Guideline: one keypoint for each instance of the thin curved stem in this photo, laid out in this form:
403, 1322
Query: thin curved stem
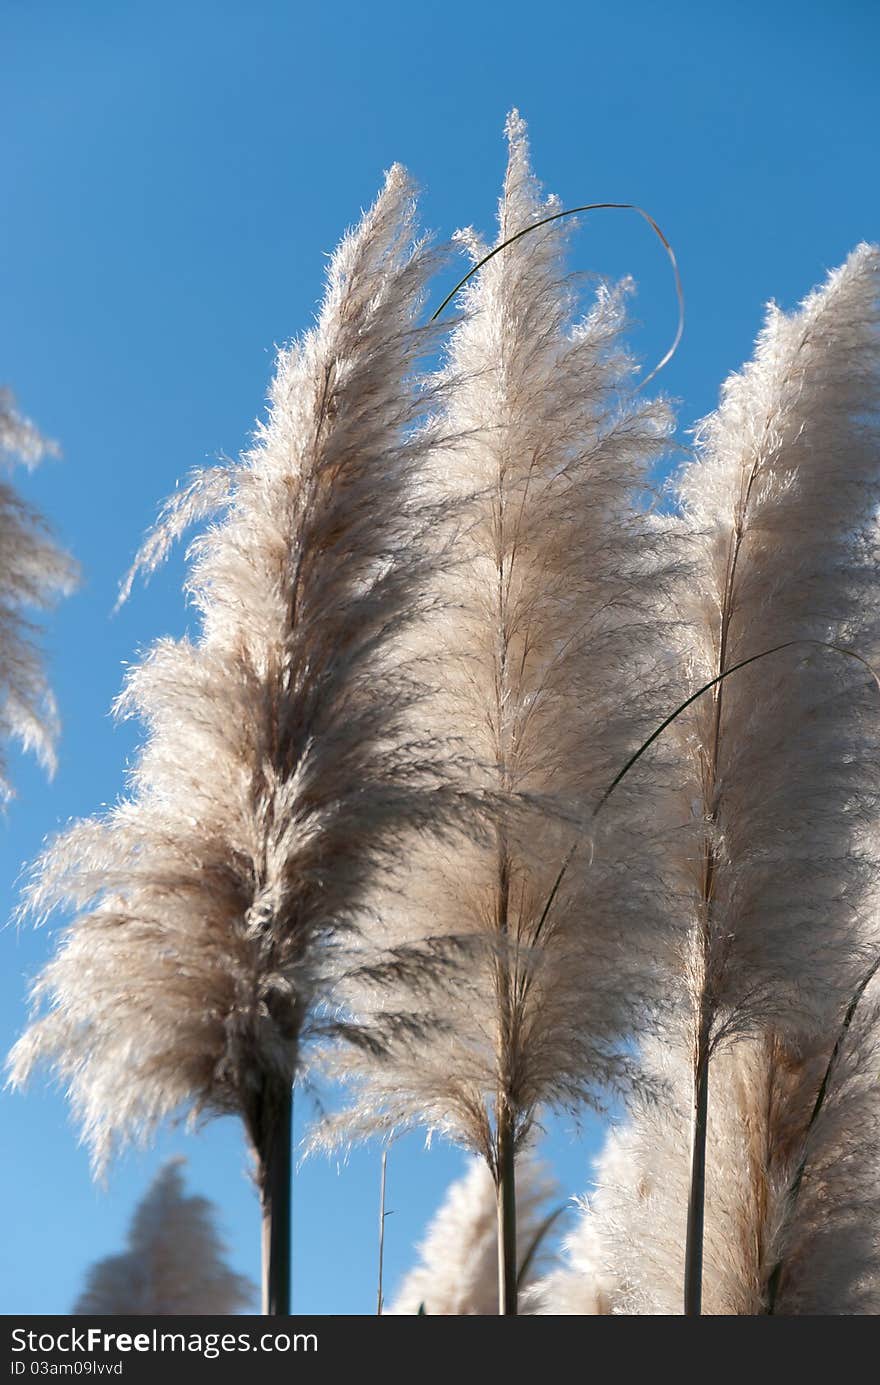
382, 1215
658, 731
573, 211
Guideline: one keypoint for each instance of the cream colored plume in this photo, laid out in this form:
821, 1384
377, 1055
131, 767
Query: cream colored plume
33, 573
826, 1238
174, 1264
777, 873
778, 764
280, 773
552, 673
457, 1274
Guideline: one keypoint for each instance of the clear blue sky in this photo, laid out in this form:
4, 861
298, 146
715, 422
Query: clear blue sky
172, 176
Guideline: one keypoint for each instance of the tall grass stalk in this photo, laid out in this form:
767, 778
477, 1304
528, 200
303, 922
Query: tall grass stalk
551, 653
217, 908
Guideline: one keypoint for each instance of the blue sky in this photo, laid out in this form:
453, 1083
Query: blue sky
173, 176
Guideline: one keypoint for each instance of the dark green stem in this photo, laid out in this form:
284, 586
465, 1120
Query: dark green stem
693, 1256
271, 1135
506, 1174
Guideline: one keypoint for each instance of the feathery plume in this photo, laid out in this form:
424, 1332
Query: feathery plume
575, 1291
280, 775
631, 1233
778, 766
763, 1139
175, 1262
819, 1222
585, 1285
543, 633
33, 572
458, 1270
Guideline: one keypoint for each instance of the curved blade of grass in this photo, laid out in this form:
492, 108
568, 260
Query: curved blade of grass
773, 1283
658, 731
536, 1242
789, 644
573, 211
